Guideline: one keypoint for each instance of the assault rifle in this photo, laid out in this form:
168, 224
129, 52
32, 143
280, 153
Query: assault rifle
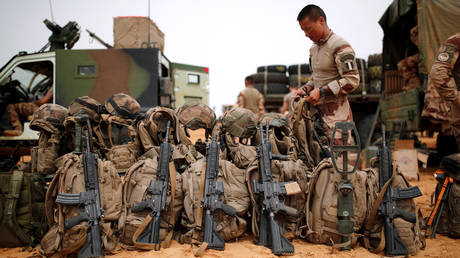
270, 233
210, 201
446, 183
90, 199
158, 189
388, 208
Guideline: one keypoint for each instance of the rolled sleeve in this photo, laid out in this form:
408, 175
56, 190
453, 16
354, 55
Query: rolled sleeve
348, 71
442, 69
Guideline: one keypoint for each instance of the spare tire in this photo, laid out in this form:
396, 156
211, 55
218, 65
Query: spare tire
374, 59
270, 77
294, 69
294, 79
272, 69
375, 72
272, 88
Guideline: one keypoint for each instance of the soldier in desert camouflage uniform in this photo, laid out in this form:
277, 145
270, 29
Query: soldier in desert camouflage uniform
24, 109
334, 69
250, 98
445, 76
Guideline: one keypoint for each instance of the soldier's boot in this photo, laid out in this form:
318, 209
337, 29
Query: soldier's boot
14, 120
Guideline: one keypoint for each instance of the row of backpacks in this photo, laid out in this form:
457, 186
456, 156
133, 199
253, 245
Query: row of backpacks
129, 151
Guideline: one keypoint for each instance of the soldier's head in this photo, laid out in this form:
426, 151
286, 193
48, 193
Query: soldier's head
312, 21
248, 81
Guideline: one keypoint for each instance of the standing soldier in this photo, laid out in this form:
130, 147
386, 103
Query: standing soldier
250, 98
334, 69
445, 76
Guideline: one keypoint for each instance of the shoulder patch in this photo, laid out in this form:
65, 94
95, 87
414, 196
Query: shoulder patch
446, 53
348, 62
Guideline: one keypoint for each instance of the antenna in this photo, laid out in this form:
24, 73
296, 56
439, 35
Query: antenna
51, 11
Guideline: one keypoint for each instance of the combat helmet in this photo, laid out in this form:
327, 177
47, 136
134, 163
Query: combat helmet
194, 115
87, 106
276, 120
49, 117
239, 122
122, 105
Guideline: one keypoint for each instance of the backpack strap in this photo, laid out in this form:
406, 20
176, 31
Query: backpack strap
9, 212
372, 217
167, 241
199, 216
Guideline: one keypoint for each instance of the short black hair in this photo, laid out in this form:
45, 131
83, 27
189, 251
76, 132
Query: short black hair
313, 12
249, 79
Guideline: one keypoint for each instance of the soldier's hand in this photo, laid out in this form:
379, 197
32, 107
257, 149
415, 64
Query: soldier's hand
313, 97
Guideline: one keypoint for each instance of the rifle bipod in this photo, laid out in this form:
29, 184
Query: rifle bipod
345, 209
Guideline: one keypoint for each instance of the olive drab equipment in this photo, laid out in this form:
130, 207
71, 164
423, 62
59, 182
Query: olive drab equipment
345, 207
22, 199
48, 119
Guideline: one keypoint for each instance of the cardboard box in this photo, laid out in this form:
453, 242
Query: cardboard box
407, 161
133, 32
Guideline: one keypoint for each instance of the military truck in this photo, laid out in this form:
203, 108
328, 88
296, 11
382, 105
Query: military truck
144, 73
191, 83
435, 21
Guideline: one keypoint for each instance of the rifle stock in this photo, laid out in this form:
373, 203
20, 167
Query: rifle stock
270, 233
158, 189
388, 208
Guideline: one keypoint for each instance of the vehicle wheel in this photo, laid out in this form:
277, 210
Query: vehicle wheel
272, 69
271, 78
273, 88
294, 69
294, 79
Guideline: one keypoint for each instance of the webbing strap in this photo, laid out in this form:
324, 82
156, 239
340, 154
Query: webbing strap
121, 111
199, 215
9, 214
95, 108
373, 214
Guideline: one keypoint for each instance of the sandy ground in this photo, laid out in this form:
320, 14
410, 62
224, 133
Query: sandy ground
440, 247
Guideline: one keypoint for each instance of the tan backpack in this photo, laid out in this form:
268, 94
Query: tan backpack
409, 233
118, 139
43, 156
70, 179
235, 195
308, 149
322, 202
132, 224
283, 171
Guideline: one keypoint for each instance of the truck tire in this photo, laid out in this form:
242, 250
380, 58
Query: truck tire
294, 69
272, 88
272, 69
270, 77
374, 60
294, 79
375, 72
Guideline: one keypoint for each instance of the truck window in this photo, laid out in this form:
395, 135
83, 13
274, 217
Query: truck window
193, 78
36, 78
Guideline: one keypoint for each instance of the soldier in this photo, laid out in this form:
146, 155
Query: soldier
250, 98
287, 99
445, 76
335, 73
24, 109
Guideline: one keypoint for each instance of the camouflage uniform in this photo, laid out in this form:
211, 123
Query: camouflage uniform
445, 76
333, 63
16, 111
250, 98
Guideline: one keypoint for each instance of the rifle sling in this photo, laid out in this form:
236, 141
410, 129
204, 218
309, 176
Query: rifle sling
199, 215
373, 215
167, 241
